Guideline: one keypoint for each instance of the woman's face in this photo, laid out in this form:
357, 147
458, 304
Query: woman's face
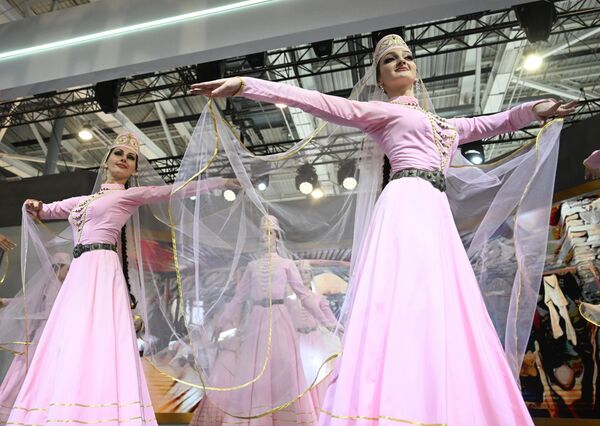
269, 236
397, 70
121, 164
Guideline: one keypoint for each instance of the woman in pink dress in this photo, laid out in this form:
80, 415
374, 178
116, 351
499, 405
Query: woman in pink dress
419, 346
283, 376
86, 368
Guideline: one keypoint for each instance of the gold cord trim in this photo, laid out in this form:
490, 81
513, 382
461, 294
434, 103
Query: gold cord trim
62, 404
85, 422
374, 419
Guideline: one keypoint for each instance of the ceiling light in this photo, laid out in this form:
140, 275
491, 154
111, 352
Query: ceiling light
347, 175
317, 193
229, 195
306, 188
532, 62
85, 134
349, 183
306, 178
474, 153
261, 186
281, 106
129, 29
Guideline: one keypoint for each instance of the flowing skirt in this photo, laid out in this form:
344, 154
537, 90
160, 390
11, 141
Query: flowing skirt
86, 368
279, 396
419, 347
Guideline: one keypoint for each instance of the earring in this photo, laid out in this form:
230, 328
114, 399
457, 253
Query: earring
417, 87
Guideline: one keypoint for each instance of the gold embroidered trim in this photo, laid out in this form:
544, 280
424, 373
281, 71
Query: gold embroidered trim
374, 419
75, 404
85, 422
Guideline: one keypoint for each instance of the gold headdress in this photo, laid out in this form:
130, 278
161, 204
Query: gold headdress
388, 42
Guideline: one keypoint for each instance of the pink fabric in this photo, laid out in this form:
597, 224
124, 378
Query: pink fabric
311, 343
86, 368
283, 380
404, 134
419, 346
285, 273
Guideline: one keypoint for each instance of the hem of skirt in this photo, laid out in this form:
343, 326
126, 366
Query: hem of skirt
377, 418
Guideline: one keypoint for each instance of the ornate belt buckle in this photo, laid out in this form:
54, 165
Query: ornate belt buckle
77, 251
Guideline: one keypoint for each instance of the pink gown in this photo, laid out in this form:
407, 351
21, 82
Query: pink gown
419, 347
311, 339
87, 369
283, 380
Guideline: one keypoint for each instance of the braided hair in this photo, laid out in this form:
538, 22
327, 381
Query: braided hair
125, 264
125, 261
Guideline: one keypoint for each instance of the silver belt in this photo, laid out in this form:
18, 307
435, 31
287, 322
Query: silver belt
434, 177
79, 249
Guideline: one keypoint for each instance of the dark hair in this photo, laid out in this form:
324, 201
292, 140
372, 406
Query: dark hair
125, 264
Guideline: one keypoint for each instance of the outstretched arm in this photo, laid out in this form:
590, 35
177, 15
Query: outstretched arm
155, 194
57, 210
474, 128
366, 116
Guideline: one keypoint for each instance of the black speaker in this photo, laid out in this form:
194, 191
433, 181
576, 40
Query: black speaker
257, 60
536, 19
209, 71
107, 93
323, 48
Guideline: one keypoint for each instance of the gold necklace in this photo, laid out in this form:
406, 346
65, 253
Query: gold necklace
443, 143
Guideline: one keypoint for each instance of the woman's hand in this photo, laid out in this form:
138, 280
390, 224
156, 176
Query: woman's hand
222, 88
6, 244
33, 207
553, 108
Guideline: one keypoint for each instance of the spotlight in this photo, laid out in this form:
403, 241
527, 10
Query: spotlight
260, 175
323, 48
474, 153
347, 176
85, 134
317, 193
257, 60
262, 183
536, 19
281, 106
532, 61
306, 188
349, 183
306, 178
107, 93
193, 198
229, 195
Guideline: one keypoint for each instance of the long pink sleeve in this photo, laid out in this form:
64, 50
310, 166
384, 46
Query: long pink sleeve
485, 126
366, 116
326, 309
307, 297
231, 313
59, 210
155, 194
